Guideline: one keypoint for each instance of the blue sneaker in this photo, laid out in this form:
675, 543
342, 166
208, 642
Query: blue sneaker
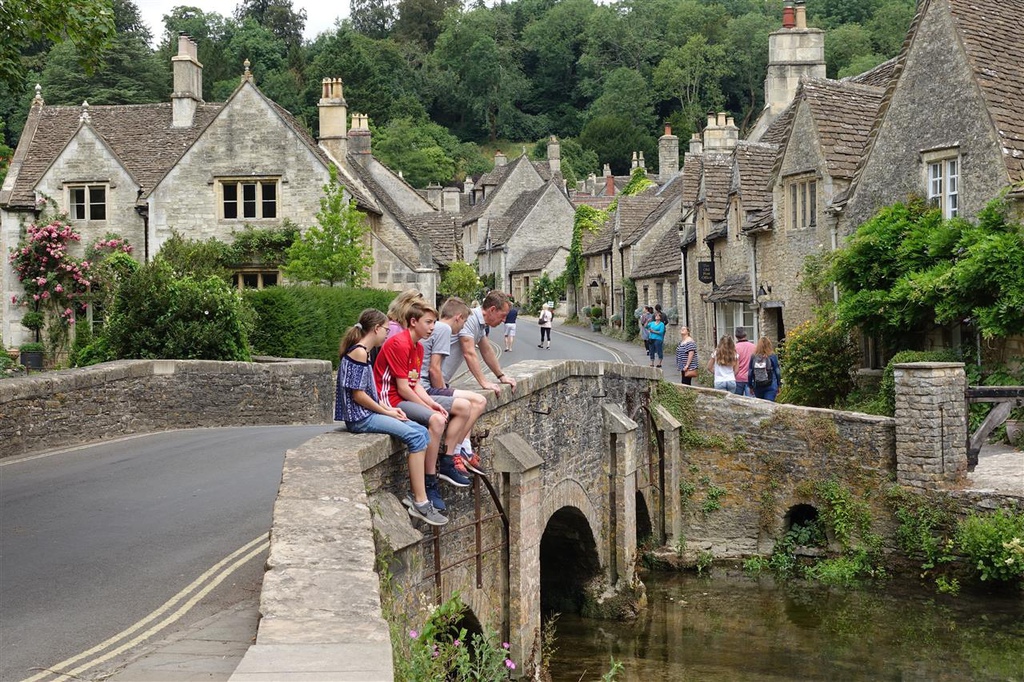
433, 494
446, 471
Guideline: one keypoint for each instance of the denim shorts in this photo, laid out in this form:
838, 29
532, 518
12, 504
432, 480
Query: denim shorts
729, 386
409, 432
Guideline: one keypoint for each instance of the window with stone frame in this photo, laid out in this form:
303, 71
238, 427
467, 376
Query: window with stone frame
256, 279
942, 179
735, 314
87, 202
249, 199
802, 202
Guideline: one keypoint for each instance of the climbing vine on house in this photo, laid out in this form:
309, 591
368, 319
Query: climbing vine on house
587, 219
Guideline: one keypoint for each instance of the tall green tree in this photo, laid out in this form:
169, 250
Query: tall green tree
372, 18
5, 156
335, 250
692, 75
208, 31
87, 24
614, 140
462, 280
423, 151
626, 94
278, 16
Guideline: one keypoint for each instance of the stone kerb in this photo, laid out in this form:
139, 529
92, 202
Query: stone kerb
75, 406
931, 425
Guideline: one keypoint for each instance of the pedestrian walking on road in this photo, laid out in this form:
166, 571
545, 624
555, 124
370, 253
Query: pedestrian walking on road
765, 375
656, 328
510, 327
744, 349
544, 320
686, 357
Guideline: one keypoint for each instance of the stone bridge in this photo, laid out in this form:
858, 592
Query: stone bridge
588, 462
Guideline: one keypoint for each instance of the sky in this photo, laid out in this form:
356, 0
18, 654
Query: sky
320, 14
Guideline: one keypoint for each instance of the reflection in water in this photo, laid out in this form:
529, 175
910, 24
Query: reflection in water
731, 627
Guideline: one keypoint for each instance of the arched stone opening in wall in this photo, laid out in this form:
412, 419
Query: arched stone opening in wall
568, 561
644, 528
803, 527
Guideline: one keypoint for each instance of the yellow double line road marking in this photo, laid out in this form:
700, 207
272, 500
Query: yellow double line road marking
201, 587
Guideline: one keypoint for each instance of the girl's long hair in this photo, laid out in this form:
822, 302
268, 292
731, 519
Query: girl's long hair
368, 320
399, 308
725, 354
764, 346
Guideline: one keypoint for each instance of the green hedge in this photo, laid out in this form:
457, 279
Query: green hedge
308, 321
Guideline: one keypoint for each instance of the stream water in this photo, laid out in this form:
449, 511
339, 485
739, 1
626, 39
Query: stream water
731, 627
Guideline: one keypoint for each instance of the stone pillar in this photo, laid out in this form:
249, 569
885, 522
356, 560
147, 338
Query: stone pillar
931, 425
620, 508
514, 457
669, 428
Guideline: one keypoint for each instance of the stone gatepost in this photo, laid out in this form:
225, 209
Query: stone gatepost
669, 428
620, 506
931, 425
520, 467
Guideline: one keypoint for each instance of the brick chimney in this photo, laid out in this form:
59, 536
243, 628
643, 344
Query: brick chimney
333, 118
721, 133
609, 181
188, 83
795, 53
668, 155
554, 155
359, 138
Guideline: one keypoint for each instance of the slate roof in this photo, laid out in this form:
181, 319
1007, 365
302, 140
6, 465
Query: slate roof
441, 227
993, 37
538, 259
693, 167
733, 288
754, 162
663, 258
495, 179
717, 176
878, 77
637, 215
844, 113
600, 241
501, 229
778, 131
139, 134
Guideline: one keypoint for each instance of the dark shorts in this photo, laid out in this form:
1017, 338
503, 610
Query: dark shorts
444, 392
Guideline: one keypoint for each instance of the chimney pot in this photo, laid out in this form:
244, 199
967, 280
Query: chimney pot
668, 130
721, 119
788, 15
711, 120
730, 121
801, 14
609, 185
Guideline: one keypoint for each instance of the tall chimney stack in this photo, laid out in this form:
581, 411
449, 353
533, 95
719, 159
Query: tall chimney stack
188, 83
333, 118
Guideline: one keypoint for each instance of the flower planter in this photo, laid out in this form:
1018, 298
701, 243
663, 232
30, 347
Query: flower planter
32, 359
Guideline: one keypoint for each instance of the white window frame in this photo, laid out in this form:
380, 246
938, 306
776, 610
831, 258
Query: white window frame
732, 314
801, 193
240, 204
82, 211
942, 171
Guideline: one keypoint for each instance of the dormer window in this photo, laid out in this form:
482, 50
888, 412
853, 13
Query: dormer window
88, 202
249, 199
942, 175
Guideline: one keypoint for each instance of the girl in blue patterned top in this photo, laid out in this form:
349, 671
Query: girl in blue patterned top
357, 404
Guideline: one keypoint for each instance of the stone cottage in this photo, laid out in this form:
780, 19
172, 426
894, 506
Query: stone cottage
205, 171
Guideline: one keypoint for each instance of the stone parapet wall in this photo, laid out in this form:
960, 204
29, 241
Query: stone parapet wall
931, 425
70, 407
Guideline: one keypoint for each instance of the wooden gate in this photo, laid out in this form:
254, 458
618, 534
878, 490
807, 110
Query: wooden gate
1005, 399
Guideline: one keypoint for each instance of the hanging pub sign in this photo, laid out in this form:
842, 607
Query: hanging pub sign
706, 271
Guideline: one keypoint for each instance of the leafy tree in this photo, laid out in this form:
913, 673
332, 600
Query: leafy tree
277, 16
335, 250
888, 26
614, 140
419, 150
746, 44
817, 363
5, 156
845, 44
86, 24
692, 74
195, 258
420, 21
208, 30
460, 279
267, 55
372, 18
543, 290
626, 94
832, 13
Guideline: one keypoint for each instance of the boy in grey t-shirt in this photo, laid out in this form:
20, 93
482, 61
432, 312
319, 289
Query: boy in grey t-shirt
467, 406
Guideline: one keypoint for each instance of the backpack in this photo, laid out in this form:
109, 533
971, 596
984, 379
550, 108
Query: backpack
762, 376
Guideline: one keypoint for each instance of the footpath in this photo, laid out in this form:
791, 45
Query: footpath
212, 649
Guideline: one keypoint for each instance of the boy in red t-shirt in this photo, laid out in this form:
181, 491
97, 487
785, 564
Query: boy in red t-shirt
397, 375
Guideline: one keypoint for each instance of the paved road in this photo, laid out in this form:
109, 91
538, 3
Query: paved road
94, 539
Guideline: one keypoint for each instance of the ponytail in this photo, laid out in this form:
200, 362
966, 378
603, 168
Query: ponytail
368, 319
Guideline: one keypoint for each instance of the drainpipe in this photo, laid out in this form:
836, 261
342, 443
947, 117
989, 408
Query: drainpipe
686, 290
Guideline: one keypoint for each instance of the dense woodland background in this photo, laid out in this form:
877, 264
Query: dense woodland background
445, 84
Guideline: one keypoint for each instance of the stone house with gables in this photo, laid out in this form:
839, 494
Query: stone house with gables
533, 265
206, 170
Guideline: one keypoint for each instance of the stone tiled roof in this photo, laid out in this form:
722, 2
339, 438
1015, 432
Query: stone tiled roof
754, 162
537, 259
693, 166
992, 32
494, 179
719, 230
662, 259
778, 131
634, 212
502, 229
689, 235
717, 177
878, 77
139, 134
844, 113
733, 288
440, 227
759, 220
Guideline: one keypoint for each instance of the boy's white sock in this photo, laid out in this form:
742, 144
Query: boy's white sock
466, 446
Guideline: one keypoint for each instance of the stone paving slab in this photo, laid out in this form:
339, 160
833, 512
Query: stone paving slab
1000, 469
302, 662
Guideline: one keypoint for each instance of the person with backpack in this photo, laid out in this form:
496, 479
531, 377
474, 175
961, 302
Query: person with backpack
544, 321
765, 376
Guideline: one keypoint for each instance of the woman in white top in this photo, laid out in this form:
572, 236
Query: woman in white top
724, 363
544, 320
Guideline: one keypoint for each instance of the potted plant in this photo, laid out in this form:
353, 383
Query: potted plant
32, 355
596, 318
1015, 426
34, 321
